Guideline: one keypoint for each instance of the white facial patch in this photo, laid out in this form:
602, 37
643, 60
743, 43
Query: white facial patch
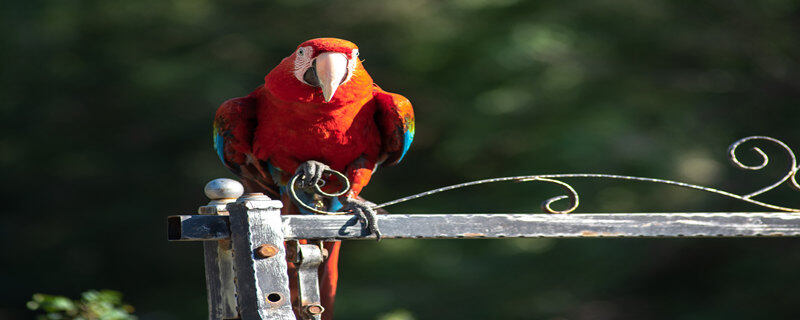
302, 62
351, 65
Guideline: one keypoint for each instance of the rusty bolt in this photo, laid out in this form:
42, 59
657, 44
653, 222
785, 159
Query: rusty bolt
314, 309
266, 251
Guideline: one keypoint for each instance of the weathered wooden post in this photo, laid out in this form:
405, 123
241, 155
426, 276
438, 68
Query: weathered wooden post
262, 281
218, 254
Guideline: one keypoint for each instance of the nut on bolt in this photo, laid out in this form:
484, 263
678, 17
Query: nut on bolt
266, 251
314, 309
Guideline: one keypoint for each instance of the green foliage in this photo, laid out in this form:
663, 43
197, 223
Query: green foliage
93, 305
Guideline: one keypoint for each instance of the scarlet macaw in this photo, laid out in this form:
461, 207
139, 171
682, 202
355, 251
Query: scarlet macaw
317, 109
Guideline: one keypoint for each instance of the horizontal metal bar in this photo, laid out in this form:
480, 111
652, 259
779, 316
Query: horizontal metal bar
198, 228
441, 226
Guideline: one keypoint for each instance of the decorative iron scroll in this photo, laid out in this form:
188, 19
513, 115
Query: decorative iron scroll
574, 199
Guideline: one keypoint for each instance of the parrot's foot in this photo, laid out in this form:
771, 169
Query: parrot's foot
366, 213
311, 173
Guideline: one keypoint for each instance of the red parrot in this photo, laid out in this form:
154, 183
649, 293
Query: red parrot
317, 110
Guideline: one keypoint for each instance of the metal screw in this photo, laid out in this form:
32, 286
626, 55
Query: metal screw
314, 309
266, 251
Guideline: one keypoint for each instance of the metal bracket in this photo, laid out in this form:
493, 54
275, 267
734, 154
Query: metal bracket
307, 258
262, 282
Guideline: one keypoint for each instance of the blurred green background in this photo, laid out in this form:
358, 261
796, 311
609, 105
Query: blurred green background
106, 109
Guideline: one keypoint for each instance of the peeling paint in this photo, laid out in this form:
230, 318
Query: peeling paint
587, 233
196, 228
468, 234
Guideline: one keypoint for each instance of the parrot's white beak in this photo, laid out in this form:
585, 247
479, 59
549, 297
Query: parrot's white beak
331, 71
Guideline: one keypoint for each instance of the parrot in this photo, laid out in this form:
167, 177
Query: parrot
317, 110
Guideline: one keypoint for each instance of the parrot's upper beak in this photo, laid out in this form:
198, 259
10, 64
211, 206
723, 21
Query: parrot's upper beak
331, 68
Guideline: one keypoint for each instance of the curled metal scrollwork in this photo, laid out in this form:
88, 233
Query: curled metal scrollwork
573, 197
791, 175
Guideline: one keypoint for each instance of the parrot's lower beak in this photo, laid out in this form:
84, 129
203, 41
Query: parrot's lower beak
331, 68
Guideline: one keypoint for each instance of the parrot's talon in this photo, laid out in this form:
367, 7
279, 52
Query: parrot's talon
366, 214
311, 173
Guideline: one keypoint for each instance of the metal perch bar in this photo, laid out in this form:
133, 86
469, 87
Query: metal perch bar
460, 226
246, 261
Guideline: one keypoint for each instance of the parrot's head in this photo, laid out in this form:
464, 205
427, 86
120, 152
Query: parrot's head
323, 70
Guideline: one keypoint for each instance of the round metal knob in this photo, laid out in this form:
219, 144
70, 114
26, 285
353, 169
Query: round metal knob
223, 188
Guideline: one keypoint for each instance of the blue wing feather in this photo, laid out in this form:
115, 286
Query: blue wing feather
219, 145
395, 118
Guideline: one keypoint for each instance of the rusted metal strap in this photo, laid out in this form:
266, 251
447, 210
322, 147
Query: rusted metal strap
307, 258
701, 224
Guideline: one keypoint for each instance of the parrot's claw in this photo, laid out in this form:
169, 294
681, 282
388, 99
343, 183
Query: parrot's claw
311, 173
366, 213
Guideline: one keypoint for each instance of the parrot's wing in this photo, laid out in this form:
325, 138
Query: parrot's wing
395, 119
233, 132
234, 126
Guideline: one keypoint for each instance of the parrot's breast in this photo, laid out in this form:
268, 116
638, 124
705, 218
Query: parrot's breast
287, 136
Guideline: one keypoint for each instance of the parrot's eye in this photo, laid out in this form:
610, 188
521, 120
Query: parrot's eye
305, 52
